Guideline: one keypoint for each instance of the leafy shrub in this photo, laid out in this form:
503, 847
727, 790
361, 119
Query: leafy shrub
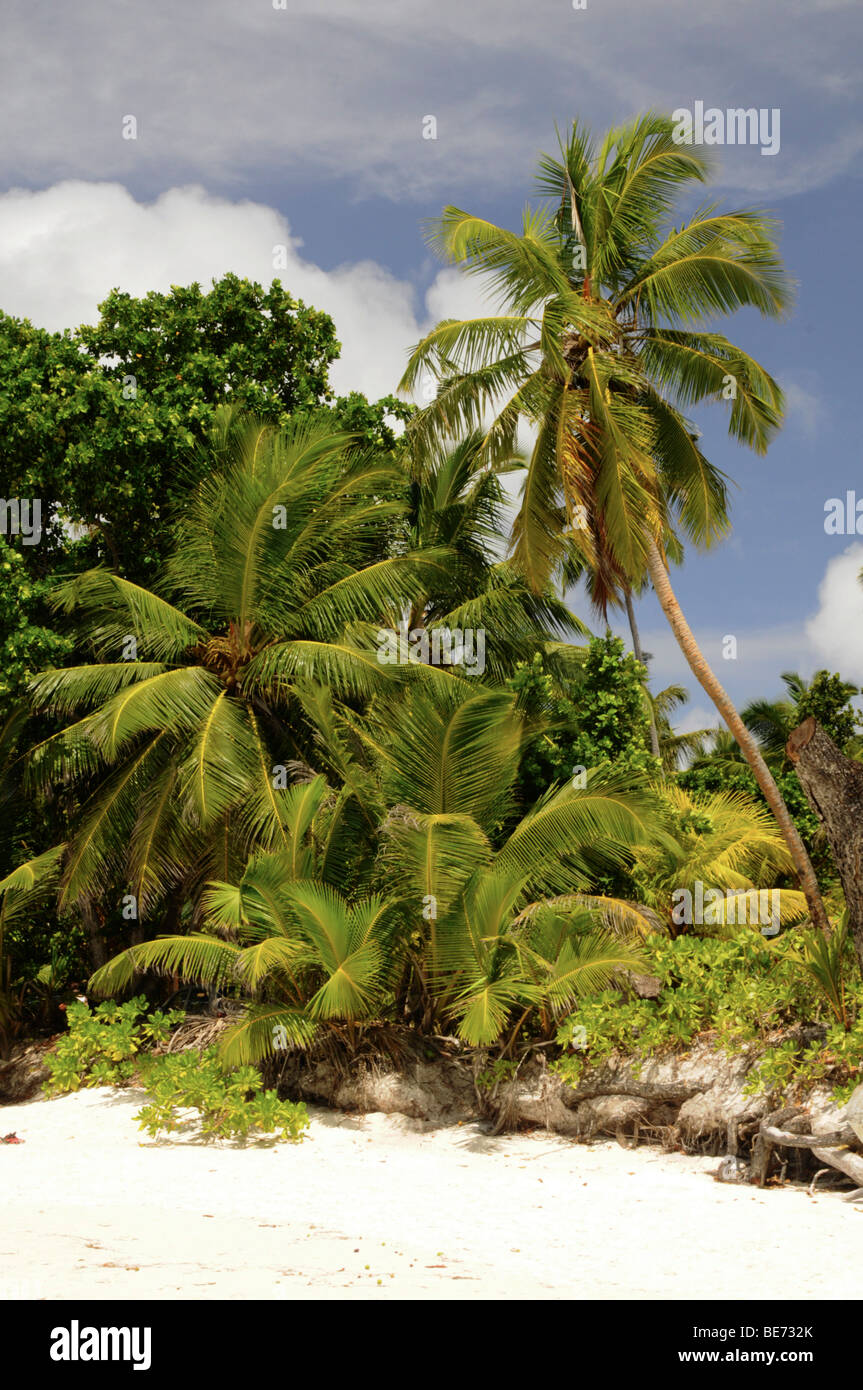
109, 1048
100, 1048
230, 1103
731, 991
791, 1067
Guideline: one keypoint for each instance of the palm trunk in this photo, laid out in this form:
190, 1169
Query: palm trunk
639, 656
707, 680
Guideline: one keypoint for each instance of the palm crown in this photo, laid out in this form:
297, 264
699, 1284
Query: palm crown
603, 347
606, 342
279, 572
469, 910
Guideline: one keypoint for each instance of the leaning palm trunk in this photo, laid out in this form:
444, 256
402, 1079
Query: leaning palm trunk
705, 677
639, 656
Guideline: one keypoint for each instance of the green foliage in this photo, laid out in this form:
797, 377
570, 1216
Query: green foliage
477, 916
791, 1068
101, 1048
730, 992
723, 839
28, 643
719, 764
597, 715
277, 577
827, 698
100, 422
498, 1070
109, 1048
604, 343
103, 425
231, 1104
612, 721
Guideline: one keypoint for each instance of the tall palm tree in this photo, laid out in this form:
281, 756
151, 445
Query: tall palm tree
604, 344
187, 723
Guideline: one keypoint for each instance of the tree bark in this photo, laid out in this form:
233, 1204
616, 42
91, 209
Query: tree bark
761, 772
97, 949
639, 656
833, 785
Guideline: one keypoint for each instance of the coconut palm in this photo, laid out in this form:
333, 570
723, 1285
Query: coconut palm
724, 840
187, 726
673, 747
604, 344
467, 860
458, 927
456, 502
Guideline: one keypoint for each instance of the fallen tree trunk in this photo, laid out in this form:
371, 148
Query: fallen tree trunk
835, 1147
833, 785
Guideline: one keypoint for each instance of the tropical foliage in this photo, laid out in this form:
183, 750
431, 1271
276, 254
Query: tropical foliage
220, 780
604, 344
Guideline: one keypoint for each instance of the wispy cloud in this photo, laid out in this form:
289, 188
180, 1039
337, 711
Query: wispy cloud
224, 89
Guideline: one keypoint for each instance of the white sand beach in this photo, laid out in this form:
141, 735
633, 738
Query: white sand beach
378, 1206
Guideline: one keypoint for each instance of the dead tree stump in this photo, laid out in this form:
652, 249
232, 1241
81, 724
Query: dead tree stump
833, 785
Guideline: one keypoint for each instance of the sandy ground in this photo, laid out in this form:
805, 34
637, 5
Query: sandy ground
378, 1206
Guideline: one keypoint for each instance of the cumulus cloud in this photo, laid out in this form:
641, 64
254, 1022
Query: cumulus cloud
62, 250
836, 630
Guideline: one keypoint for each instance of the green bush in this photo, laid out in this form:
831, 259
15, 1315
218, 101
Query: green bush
230, 1103
100, 1049
729, 991
109, 1048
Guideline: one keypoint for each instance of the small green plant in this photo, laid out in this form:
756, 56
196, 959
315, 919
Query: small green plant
230, 1103
101, 1048
501, 1069
823, 960
789, 1067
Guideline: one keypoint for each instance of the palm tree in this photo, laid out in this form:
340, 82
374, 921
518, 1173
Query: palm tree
601, 349
724, 840
23, 889
188, 726
672, 746
456, 503
464, 919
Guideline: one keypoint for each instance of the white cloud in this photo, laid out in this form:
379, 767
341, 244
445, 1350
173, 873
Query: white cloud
62, 250
836, 630
803, 404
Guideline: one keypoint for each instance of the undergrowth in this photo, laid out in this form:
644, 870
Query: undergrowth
114, 1046
730, 992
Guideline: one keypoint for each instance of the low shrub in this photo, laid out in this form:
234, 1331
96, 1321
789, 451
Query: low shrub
231, 1104
100, 1048
730, 991
112, 1047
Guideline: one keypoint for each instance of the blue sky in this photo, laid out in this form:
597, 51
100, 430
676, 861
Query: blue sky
302, 126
